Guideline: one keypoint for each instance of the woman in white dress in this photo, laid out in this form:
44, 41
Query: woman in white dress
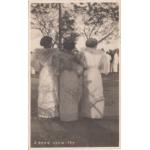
116, 61
95, 62
48, 80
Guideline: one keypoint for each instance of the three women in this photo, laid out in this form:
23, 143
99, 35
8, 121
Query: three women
78, 78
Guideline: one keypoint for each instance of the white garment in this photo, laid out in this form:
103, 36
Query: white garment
93, 99
48, 84
32, 70
108, 59
115, 62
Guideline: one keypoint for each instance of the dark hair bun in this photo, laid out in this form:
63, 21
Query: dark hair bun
45, 41
69, 44
91, 42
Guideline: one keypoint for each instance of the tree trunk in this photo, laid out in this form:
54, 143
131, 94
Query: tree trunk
60, 27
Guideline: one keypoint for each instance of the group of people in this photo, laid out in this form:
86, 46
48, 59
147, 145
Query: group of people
70, 82
114, 60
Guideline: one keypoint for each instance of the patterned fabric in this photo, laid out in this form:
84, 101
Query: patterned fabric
70, 88
48, 83
47, 113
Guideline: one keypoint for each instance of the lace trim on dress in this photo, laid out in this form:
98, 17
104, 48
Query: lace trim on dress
48, 113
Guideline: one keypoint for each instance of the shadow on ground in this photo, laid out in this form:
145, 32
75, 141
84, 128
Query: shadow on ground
81, 133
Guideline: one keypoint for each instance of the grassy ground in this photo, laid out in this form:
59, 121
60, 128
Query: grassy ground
85, 132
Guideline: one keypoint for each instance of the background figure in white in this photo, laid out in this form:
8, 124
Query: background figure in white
108, 58
95, 62
48, 82
109, 61
116, 61
32, 69
111, 53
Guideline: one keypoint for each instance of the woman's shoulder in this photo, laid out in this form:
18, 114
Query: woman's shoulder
64, 55
55, 50
39, 51
42, 55
92, 51
83, 53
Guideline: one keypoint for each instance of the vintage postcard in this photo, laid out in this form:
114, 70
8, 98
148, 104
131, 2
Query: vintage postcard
74, 59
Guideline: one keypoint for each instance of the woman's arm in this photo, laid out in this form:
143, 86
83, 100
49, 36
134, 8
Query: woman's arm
78, 68
35, 62
80, 59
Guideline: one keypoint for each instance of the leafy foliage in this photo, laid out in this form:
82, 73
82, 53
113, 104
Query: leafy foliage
45, 19
99, 20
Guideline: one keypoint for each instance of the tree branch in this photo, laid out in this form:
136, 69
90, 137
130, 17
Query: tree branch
85, 33
92, 30
105, 37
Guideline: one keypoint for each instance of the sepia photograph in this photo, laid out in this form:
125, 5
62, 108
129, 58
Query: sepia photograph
74, 70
